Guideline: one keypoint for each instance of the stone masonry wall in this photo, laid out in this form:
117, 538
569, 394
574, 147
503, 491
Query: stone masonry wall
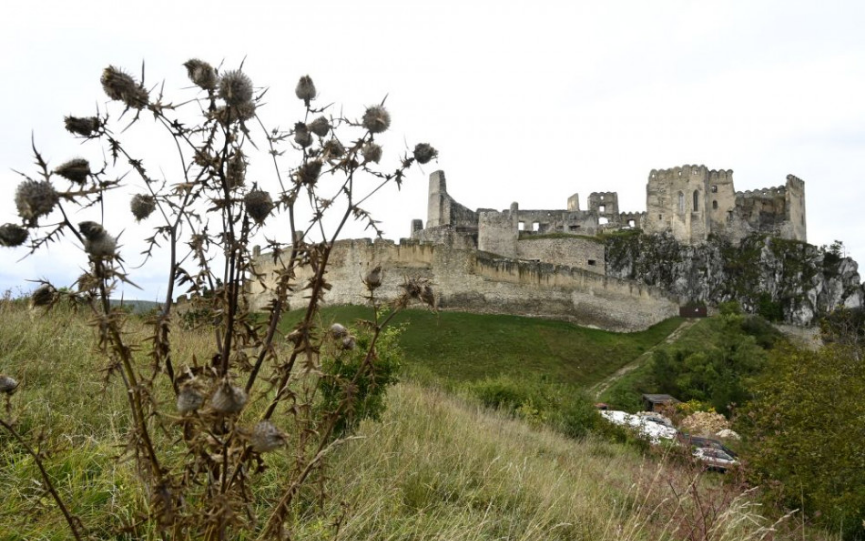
477, 282
573, 252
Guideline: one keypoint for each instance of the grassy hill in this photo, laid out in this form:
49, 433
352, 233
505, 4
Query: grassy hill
456, 347
436, 466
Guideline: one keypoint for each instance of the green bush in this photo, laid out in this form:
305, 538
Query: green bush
344, 380
805, 435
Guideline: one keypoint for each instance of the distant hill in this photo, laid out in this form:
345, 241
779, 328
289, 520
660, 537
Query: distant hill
138, 307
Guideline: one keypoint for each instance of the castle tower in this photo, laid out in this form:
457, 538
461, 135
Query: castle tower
438, 209
676, 201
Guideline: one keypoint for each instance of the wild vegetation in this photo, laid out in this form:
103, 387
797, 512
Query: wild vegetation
202, 426
437, 464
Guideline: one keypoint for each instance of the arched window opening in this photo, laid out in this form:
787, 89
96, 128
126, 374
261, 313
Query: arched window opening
714, 205
696, 200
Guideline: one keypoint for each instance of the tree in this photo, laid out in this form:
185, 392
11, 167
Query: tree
714, 370
805, 432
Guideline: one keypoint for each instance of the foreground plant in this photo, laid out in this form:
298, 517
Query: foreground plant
203, 428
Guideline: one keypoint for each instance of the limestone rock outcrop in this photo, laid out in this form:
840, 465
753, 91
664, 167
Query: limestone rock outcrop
783, 280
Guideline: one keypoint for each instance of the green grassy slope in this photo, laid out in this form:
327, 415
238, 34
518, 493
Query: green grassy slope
456, 347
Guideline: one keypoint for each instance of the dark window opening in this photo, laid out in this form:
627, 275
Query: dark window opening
573, 227
696, 200
714, 204
592, 262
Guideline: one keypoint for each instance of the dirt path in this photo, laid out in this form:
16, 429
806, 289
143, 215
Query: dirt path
598, 389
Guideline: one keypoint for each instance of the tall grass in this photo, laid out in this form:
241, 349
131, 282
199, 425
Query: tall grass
436, 466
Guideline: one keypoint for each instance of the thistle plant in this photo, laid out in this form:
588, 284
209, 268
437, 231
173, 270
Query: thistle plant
203, 428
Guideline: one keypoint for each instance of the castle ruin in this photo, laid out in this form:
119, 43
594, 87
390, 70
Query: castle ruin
689, 202
551, 263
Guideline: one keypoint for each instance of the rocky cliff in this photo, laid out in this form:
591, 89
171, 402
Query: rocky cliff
783, 280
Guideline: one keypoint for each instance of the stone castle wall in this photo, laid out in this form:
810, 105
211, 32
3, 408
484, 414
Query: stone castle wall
474, 281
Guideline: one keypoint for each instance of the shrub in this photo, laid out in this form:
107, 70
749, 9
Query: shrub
805, 438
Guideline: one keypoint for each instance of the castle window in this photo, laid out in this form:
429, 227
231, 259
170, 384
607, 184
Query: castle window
714, 204
632, 223
602, 208
681, 202
660, 216
536, 226
573, 228
522, 226
602, 221
696, 200
602, 198
592, 262
714, 188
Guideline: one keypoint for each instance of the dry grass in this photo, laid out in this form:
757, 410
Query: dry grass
435, 467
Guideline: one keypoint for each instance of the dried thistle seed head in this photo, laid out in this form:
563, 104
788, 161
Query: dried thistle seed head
76, 170
82, 126
228, 114
102, 247
372, 280
376, 119
123, 87
320, 126
190, 398
371, 152
228, 398
348, 343
87, 282
142, 206
201, 74
12, 235
309, 172
427, 296
235, 88
240, 360
35, 199
301, 135
235, 170
91, 230
333, 149
8, 385
266, 437
423, 153
44, 295
338, 330
305, 89
97, 242
258, 205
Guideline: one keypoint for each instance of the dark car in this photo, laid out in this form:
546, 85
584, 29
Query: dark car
701, 442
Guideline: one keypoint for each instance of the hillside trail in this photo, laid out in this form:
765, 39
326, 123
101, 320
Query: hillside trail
598, 389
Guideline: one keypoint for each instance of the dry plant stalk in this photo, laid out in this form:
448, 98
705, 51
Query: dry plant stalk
210, 493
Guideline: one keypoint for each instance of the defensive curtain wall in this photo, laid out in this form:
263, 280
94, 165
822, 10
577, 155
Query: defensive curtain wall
474, 281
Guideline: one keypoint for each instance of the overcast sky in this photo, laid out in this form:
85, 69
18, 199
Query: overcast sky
526, 101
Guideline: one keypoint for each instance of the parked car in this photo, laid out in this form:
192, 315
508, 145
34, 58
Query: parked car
705, 443
715, 459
